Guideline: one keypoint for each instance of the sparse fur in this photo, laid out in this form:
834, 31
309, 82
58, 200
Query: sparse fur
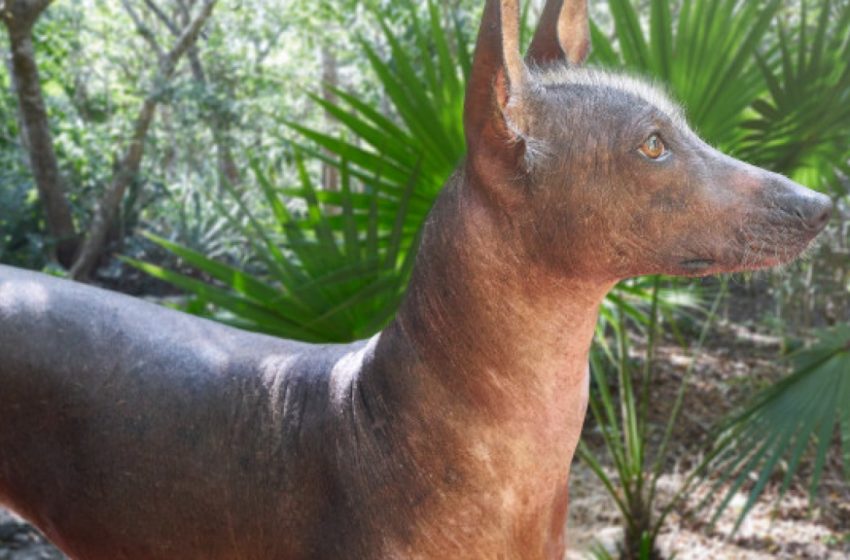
560, 75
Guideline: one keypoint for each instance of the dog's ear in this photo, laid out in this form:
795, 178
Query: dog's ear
492, 113
563, 33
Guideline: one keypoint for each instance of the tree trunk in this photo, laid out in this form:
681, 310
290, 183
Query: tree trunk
111, 201
330, 80
226, 164
19, 17
227, 169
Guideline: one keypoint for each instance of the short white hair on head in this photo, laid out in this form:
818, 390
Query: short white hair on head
652, 93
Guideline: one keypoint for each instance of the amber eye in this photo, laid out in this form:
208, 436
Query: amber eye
653, 148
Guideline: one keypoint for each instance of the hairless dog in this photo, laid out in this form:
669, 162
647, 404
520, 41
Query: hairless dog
128, 431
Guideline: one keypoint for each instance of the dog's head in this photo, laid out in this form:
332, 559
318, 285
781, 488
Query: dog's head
600, 173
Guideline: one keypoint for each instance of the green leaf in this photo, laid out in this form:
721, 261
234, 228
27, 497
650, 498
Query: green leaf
804, 408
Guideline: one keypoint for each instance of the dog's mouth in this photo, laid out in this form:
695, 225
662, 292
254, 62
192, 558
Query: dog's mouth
747, 257
697, 266
747, 253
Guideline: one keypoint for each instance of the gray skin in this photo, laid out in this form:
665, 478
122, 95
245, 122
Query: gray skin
132, 431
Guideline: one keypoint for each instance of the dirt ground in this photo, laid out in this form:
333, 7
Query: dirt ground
738, 359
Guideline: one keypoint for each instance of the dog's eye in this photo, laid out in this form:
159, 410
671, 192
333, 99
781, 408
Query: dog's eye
653, 148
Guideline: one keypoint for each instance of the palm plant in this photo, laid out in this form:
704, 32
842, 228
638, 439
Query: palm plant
424, 80
344, 264
784, 421
339, 278
801, 126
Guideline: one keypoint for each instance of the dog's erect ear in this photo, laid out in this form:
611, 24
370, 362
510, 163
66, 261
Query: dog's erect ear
493, 98
563, 33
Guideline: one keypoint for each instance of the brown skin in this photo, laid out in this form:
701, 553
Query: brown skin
129, 431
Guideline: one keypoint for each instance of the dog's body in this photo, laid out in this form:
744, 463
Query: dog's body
151, 434
129, 431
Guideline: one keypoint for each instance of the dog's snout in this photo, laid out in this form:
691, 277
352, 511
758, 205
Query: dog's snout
813, 210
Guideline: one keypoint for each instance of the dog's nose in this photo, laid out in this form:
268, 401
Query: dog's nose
811, 209
814, 211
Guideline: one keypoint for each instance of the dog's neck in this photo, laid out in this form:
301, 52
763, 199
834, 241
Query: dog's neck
497, 328
499, 348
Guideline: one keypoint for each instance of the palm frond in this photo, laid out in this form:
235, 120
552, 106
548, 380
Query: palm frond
800, 127
339, 278
797, 416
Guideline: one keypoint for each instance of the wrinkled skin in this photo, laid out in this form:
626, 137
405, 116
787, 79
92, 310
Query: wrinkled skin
128, 431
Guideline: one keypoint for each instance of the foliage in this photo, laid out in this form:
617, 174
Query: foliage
424, 80
346, 262
800, 128
92, 62
329, 288
783, 422
19, 221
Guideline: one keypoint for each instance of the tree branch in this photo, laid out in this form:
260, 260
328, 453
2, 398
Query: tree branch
186, 40
143, 29
172, 27
111, 201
